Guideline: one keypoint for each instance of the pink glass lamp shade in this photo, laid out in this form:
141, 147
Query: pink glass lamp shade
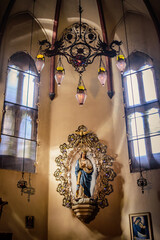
102, 75
39, 62
59, 75
81, 95
121, 64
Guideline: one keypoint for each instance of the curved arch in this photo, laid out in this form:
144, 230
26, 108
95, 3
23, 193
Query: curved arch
134, 34
137, 59
32, 16
19, 36
23, 61
127, 13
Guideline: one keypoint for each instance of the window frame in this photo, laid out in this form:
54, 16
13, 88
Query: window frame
27, 111
137, 164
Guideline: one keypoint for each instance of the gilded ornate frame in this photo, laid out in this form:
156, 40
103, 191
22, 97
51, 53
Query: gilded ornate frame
77, 141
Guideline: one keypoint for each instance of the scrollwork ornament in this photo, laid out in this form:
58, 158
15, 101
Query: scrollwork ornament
78, 141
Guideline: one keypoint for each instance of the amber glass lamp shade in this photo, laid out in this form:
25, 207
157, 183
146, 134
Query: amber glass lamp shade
102, 76
121, 64
40, 60
59, 75
81, 95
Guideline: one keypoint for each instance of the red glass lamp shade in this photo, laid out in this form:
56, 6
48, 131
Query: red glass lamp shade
59, 75
121, 64
81, 95
39, 62
102, 75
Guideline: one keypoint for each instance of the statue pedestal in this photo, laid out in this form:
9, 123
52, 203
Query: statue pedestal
85, 209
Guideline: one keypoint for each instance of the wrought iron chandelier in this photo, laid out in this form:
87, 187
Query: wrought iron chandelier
80, 44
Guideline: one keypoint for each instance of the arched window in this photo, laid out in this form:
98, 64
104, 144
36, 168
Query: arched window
19, 123
142, 113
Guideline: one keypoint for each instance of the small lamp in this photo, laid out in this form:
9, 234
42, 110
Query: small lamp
39, 62
22, 184
102, 75
59, 72
81, 92
59, 75
121, 64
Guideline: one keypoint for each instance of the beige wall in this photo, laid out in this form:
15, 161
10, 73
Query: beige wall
62, 116
17, 38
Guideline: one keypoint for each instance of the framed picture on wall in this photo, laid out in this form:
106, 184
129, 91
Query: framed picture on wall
140, 226
29, 220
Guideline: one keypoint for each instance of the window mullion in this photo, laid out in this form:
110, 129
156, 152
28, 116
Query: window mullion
141, 88
20, 86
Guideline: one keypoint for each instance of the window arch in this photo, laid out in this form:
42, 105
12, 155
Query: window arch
19, 123
142, 113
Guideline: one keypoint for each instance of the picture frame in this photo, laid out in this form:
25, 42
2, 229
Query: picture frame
141, 226
29, 222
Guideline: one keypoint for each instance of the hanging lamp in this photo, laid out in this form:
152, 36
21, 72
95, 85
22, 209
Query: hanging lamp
22, 184
40, 62
81, 92
102, 73
121, 63
59, 72
142, 182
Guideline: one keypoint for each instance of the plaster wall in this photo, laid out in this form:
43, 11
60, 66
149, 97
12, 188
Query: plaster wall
109, 125
17, 38
140, 31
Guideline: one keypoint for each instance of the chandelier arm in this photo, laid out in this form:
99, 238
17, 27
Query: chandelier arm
91, 47
51, 53
87, 60
94, 56
45, 42
106, 53
115, 42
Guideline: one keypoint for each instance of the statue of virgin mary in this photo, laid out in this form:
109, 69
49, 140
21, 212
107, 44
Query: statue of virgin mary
83, 171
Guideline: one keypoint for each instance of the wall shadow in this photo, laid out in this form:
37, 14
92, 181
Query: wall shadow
108, 220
